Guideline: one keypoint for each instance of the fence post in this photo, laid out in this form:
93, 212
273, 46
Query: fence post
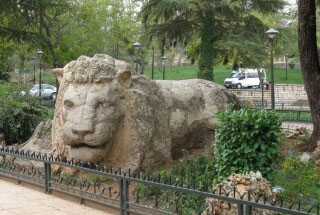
298, 116
124, 196
240, 209
248, 210
47, 177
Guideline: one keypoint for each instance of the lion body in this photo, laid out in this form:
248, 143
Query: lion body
106, 113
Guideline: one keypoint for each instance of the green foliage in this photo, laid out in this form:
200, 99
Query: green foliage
224, 31
247, 140
6, 50
292, 65
299, 180
19, 115
285, 116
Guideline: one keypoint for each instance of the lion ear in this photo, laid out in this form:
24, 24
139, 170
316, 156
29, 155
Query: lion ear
58, 73
124, 78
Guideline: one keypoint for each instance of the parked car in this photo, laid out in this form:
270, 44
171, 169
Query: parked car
245, 78
47, 91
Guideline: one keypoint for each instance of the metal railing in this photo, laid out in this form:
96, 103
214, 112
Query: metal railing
283, 105
137, 192
288, 112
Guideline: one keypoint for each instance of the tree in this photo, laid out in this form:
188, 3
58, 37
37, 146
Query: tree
208, 20
310, 68
18, 18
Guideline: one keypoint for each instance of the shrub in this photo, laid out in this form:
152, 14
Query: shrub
19, 115
299, 180
292, 65
247, 140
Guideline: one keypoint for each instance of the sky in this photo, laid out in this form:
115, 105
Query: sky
293, 3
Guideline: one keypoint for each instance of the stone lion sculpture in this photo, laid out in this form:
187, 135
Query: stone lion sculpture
106, 113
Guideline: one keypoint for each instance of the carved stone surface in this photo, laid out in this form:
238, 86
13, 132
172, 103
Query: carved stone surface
106, 113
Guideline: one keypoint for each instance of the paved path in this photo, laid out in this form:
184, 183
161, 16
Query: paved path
19, 200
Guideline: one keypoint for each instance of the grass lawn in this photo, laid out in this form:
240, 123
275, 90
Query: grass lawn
220, 73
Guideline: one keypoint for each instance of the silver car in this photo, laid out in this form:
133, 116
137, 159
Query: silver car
47, 91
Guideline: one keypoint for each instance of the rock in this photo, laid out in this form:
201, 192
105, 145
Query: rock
277, 189
305, 157
41, 141
249, 103
297, 133
253, 182
106, 113
293, 135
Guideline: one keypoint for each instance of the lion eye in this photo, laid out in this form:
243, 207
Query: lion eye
68, 104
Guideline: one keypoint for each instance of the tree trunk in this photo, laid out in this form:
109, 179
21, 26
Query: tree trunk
206, 48
310, 68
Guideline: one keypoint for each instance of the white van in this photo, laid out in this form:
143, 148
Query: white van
245, 78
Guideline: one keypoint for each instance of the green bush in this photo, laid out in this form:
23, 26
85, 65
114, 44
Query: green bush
19, 115
299, 180
247, 140
292, 65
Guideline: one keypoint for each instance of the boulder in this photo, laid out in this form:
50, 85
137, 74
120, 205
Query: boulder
297, 133
305, 157
253, 182
41, 141
108, 114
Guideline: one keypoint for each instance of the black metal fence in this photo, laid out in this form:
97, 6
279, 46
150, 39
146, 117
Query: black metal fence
283, 105
297, 112
139, 193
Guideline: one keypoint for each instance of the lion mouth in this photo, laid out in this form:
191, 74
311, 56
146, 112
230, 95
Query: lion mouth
82, 145
87, 152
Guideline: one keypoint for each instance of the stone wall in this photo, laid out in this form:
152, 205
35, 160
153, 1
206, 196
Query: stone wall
286, 96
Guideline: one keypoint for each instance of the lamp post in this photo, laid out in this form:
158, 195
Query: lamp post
34, 70
137, 46
272, 33
163, 60
40, 54
286, 59
152, 71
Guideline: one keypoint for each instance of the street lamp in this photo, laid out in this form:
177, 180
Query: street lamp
152, 70
137, 46
40, 54
286, 59
272, 33
163, 60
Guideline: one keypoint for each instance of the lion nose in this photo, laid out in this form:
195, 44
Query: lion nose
82, 130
